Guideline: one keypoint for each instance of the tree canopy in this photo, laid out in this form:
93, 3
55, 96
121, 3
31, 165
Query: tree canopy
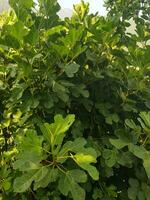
75, 102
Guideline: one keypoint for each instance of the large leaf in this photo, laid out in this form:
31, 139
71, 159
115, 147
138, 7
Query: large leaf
30, 151
84, 156
17, 30
142, 153
21, 184
54, 133
133, 189
84, 161
61, 91
130, 123
50, 176
118, 143
71, 69
110, 157
72, 146
139, 151
69, 183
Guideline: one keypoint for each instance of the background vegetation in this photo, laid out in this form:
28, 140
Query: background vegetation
74, 102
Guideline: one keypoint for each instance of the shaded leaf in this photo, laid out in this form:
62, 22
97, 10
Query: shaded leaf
69, 183
21, 184
118, 143
71, 69
50, 176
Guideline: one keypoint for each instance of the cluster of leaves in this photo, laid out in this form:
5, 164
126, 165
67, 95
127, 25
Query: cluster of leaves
89, 74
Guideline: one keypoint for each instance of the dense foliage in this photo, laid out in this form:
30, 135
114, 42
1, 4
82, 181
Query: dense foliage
75, 102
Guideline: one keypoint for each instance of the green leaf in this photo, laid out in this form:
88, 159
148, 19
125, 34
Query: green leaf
118, 143
139, 151
50, 9
76, 146
6, 184
78, 175
133, 189
54, 30
77, 129
30, 151
33, 36
23, 10
21, 184
130, 123
26, 4
84, 161
141, 195
74, 35
110, 157
61, 125
71, 69
146, 189
146, 164
125, 158
17, 30
112, 118
84, 156
69, 183
61, 91
97, 194
142, 153
132, 193
17, 92
49, 103
134, 183
51, 175
54, 133
80, 90
48, 135
146, 118
145, 121
22, 3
